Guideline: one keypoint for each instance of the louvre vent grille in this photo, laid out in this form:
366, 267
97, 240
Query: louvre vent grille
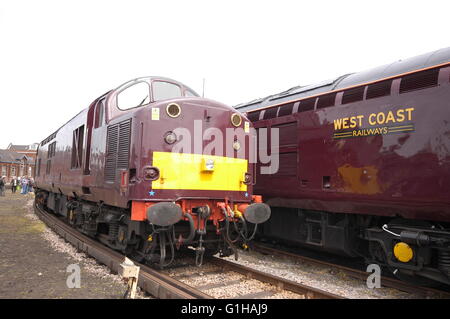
379, 89
112, 139
253, 116
307, 105
286, 109
124, 144
118, 149
419, 80
270, 113
326, 100
353, 95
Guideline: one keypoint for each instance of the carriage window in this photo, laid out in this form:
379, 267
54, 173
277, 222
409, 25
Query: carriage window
136, 95
77, 148
165, 90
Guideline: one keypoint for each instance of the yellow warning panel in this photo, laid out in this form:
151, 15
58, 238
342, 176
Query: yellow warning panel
199, 172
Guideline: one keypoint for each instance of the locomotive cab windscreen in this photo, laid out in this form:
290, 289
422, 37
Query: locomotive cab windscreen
140, 93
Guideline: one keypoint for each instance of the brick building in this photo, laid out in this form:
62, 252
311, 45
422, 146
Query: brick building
28, 150
18, 160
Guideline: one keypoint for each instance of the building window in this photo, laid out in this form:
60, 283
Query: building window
3, 170
77, 147
13, 171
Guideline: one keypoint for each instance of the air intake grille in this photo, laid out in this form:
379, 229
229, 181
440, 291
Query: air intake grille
326, 100
379, 89
420, 80
118, 149
271, 113
253, 116
307, 105
353, 95
124, 144
286, 109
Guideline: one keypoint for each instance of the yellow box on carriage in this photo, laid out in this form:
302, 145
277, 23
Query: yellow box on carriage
199, 172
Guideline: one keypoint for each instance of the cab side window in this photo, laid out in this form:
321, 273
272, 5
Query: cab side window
165, 90
99, 114
134, 96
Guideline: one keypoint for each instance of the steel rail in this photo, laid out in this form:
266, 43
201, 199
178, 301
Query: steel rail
161, 285
355, 273
155, 283
280, 283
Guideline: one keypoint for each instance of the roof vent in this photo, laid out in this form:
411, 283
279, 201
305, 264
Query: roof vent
419, 80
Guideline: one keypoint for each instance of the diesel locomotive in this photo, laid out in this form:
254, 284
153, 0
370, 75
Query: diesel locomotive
116, 171
364, 165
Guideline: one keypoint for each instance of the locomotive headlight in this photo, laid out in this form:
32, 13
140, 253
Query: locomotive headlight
170, 137
236, 145
173, 110
247, 178
236, 119
151, 173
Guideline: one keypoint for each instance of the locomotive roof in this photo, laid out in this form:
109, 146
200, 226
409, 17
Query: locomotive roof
347, 80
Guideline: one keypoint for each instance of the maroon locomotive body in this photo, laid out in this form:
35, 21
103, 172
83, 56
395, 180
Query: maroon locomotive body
364, 165
136, 170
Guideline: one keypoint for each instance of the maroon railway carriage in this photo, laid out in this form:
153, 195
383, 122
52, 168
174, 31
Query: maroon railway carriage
111, 171
365, 165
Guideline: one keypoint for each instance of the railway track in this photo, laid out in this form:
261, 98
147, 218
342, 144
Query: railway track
352, 272
189, 282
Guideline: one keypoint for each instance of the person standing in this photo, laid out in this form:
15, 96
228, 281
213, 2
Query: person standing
30, 184
24, 185
19, 184
2, 186
13, 185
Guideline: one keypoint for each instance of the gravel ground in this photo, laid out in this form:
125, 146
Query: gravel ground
34, 260
235, 284
321, 277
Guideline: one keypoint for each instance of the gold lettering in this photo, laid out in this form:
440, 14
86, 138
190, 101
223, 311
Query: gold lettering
344, 122
390, 117
353, 122
360, 117
409, 110
400, 115
381, 118
370, 119
337, 124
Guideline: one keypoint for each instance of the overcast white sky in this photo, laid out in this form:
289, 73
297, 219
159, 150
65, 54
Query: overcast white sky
58, 56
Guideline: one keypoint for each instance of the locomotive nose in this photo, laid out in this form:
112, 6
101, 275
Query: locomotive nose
257, 213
